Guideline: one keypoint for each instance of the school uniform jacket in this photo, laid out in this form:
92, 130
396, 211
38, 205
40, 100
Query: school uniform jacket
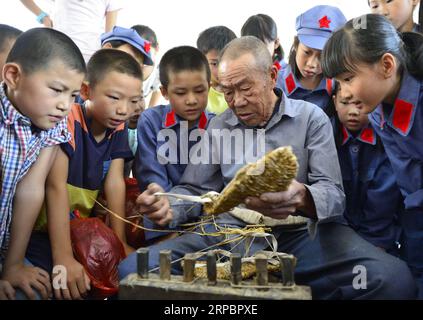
291, 86
373, 198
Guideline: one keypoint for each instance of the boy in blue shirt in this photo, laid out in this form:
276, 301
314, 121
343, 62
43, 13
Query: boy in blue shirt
91, 161
185, 77
42, 75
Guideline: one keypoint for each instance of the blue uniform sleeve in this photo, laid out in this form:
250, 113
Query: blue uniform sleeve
147, 167
121, 149
380, 210
409, 171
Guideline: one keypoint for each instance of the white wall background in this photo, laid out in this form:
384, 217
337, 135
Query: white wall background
178, 22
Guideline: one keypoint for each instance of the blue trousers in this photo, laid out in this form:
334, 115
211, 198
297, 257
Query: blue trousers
326, 263
412, 244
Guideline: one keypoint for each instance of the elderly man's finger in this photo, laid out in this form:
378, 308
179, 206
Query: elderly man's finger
153, 188
166, 219
277, 197
156, 206
256, 203
160, 216
145, 199
279, 213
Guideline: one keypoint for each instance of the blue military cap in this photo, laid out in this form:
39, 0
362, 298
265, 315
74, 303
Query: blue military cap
316, 25
131, 37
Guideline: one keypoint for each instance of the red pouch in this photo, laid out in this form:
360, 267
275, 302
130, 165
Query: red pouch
100, 251
135, 237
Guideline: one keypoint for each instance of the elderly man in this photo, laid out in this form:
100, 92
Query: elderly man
328, 251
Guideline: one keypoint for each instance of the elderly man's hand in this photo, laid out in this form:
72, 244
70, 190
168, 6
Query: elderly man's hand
296, 200
155, 208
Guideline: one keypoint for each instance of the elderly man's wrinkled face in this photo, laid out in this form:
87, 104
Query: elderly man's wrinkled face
247, 89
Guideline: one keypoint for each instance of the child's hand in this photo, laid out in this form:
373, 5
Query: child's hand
77, 282
28, 278
155, 208
6, 291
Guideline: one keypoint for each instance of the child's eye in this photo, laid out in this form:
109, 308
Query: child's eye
348, 79
56, 90
113, 97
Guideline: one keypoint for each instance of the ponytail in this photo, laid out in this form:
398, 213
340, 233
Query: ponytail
413, 43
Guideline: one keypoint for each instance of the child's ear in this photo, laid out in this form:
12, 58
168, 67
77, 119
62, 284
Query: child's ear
274, 74
107, 46
12, 74
277, 43
85, 91
163, 90
389, 65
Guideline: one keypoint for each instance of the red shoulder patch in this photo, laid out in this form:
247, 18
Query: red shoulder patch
345, 135
170, 118
202, 123
290, 83
403, 111
277, 65
368, 135
329, 86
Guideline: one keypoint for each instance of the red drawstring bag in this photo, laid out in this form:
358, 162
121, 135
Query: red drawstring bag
100, 251
135, 237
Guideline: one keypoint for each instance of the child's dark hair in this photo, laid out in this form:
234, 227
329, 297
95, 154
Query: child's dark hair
263, 27
214, 38
336, 122
147, 33
109, 60
183, 58
36, 48
292, 59
7, 33
421, 15
354, 44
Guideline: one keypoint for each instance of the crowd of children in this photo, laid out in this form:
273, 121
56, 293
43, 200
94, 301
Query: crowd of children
70, 132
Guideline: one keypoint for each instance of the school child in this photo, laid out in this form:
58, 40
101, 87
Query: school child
211, 42
383, 71
42, 75
399, 12
131, 41
264, 27
367, 175
303, 78
92, 160
151, 83
8, 37
164, 131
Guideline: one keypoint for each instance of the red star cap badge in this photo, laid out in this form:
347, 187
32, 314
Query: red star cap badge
325, 22
147, 46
